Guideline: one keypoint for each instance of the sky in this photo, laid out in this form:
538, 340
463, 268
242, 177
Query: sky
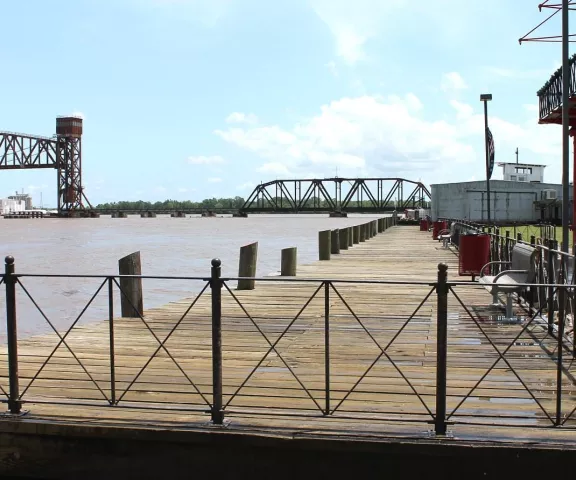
189, 99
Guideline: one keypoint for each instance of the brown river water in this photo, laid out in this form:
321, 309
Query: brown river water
168, 247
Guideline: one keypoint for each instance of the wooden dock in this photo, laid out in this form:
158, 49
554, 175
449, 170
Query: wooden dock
382, 361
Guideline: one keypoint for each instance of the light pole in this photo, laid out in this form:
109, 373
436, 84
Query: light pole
486, 97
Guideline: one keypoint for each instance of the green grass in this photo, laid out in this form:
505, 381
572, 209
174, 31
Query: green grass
528, 230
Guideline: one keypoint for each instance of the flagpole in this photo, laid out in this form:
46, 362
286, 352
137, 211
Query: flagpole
486, 97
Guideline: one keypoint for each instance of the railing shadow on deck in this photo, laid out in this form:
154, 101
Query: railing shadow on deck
434, 353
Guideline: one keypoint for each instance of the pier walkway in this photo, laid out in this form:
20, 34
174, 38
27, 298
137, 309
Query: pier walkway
376, 380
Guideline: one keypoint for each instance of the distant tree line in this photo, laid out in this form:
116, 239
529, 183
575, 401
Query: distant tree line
232, 203
207, 203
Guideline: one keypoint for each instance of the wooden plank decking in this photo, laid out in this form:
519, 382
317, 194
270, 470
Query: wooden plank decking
370, 392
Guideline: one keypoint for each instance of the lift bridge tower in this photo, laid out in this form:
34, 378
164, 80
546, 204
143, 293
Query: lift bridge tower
69, 164
62, 152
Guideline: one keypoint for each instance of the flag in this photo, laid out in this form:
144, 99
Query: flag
490, 147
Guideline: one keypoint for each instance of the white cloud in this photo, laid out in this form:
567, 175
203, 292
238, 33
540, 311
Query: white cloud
237, 117
388, 136
463, 110
159, 189
182, 190
532, 108
452, 81
245, 186
353, 24
206, 160
332, 67
214, 180
35, 188
274, 168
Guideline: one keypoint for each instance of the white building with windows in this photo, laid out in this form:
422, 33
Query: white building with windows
521, 196
523, 172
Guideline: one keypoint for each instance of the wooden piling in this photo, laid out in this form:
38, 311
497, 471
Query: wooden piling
356, 234
131, 299
374, 228
288, 262
380, 225
247, 265
350, 236
335, 241
362, 233
324, 245
343, 239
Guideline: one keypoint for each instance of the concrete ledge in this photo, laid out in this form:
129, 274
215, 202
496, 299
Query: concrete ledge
62, 450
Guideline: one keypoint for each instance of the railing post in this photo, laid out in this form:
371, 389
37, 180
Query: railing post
441, 348
560, 349
217, 413
327, 346
14, 403
551, 281
111, 334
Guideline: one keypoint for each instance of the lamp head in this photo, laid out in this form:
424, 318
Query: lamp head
485, 97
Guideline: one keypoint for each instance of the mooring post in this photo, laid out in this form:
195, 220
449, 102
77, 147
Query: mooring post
350, 236
217, 414
343, 239
361, 233
131, 299
324, 244
14, 403
247, 266
335, 241
288, 262
356, 234
441, 348
375, 228
380, 225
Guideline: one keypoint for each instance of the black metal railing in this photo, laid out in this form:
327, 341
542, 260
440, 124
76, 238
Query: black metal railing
551, 266
332, 350
550, 95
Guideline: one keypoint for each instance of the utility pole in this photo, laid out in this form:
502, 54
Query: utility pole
516, 154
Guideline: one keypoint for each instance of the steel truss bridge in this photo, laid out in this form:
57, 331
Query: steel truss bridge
63, 152
337, 195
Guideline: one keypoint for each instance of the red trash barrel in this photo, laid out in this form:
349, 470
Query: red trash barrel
438, 227
473, 253
423, 225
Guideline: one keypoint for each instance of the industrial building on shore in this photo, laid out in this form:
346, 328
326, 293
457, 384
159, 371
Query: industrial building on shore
522, 196
19, 202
